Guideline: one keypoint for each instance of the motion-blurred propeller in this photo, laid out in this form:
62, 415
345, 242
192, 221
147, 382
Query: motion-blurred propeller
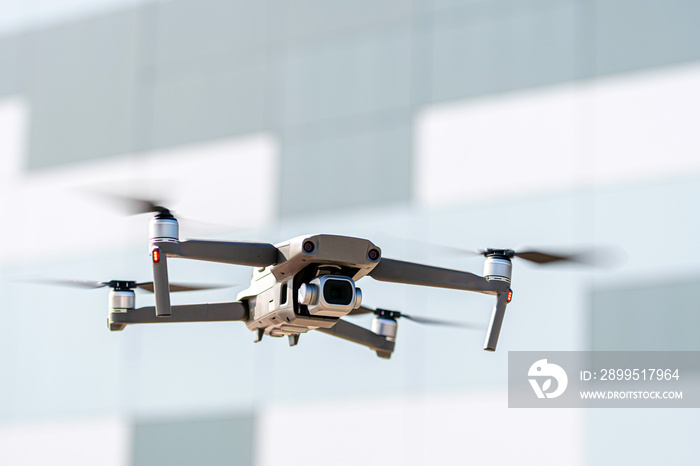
604, 256
585, 257
126, 284
590, 256
420, 320
135, 205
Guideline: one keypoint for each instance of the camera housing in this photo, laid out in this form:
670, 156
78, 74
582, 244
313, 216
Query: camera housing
330, 295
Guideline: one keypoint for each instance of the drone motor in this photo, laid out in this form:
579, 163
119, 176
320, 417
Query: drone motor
164, 227
121, 300
498, 266
384, 324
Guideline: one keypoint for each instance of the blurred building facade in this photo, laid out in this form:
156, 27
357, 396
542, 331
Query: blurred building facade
456, 122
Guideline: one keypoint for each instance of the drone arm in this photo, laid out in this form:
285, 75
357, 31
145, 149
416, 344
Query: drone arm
211, 312
356, 334
227, 252
412, 273
499, 311
391, 270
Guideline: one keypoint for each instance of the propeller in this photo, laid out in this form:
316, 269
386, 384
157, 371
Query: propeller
136, 205
599, 256
420, 320
133, 205
540, 257
128, 285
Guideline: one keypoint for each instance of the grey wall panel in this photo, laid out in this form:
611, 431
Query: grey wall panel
351, 75
652, 316
9, 65
357, 163
422, 49
497, 7
79, 80
518, 52
207, 99
185, 71
304, 18
186, 29
647, 317
633, 35
212, 442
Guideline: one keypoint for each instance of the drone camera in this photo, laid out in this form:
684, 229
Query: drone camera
309, 246
373, 254
330, 295
339, 292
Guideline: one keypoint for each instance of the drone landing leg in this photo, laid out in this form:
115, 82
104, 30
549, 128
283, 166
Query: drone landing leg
161, 285
362, 336
499, 311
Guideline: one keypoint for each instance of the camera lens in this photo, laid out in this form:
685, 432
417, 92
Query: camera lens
373, 254
308, 246
338, 292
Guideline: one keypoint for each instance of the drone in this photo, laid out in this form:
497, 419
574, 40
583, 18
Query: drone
306, 283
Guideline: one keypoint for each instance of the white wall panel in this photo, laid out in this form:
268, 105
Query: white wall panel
104, 442
59, 213
620, 129
14, 115
475, 428
495, 147
645, 126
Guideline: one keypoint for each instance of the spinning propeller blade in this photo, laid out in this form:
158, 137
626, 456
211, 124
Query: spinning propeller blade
596, 257
148, 286
420, 320
448, 323
600, 256
128, 284
145, 206
538, 257
135, 205
73, 283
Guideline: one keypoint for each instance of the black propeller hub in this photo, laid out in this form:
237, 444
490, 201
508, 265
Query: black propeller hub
163, 212
387, 313
121, 285
506, 253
